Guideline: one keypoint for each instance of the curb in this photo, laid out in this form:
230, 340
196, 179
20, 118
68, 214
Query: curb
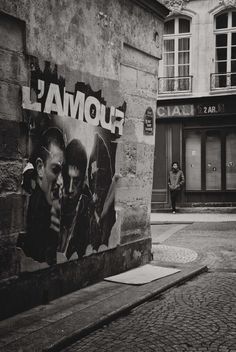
123, 310
199, 210
163, 222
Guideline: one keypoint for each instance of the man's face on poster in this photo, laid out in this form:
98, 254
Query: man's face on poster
51, 181
73, 181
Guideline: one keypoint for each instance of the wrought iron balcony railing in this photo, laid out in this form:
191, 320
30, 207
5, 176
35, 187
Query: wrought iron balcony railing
223, 80
180, 84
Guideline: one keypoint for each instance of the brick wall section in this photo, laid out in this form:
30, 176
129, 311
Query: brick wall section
13, 74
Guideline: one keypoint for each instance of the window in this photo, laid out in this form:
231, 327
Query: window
231, 161
210, 159
213, 161
176, 55
193, 160
225, 50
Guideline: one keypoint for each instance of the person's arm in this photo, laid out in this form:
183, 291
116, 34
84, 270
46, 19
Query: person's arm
169, 183
110, 195
55, 216
182, 180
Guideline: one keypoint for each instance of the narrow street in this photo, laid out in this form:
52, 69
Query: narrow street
196, 316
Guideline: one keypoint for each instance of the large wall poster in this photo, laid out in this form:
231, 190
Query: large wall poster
69, 176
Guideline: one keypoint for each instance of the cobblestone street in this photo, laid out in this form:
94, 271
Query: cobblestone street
197, 316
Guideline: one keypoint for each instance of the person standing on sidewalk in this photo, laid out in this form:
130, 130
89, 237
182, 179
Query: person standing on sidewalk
175, 183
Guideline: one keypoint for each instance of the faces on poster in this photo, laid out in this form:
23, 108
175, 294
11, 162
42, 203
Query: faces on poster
50, 172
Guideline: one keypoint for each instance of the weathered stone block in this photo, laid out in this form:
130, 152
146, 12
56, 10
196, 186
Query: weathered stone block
135, 218
11, 215
10, 176
12, 33
129, 159
9, 262
13, 66
141, 60
135, 223
130, 129
147, 81
129, 76
10, 101
131, 190
145, 154
9, 139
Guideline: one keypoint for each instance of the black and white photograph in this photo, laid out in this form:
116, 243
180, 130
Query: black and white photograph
118, 175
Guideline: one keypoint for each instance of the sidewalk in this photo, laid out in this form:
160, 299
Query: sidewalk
53, 326
185, 218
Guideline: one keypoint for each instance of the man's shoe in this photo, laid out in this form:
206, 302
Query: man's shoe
173, 211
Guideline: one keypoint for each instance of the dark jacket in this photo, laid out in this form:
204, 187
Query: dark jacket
175, 180
40, 242
75, 223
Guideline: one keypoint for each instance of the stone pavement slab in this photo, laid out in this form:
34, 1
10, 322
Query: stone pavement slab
170, 254
161, 232
52, 326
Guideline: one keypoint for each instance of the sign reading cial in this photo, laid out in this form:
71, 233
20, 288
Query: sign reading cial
175, 111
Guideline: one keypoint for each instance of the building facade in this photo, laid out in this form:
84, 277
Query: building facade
196, 106
77, 104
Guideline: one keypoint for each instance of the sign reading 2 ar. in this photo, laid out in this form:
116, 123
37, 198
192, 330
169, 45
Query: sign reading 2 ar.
210, 109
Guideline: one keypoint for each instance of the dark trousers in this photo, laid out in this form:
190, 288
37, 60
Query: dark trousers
173, 197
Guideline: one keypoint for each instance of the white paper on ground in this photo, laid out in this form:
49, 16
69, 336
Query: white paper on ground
142, 275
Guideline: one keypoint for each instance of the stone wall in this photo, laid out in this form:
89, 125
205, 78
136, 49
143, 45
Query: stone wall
13, 74
112, 46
